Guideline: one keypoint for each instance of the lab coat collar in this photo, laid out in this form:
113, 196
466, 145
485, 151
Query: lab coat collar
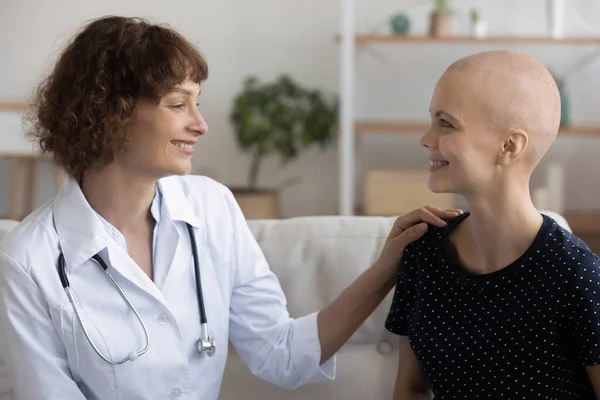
80, 232
176, 202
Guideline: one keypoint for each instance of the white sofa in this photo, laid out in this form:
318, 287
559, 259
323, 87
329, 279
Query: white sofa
315, 258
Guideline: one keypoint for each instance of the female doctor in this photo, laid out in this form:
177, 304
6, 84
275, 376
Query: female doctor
131, 282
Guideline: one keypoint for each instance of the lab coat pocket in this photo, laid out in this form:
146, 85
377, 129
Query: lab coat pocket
94, 376
114, 340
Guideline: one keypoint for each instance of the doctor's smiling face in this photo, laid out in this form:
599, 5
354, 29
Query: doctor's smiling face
162, 133
123, 94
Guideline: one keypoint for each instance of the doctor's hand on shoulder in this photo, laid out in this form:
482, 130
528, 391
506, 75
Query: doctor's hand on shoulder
130, 283
339, 320
409, 228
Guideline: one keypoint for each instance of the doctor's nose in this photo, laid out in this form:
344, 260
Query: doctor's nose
198, 124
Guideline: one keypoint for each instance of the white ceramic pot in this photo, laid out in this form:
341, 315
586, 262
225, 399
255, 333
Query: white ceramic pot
479, 29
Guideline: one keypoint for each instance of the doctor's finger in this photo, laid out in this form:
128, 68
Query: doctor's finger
410, 235
444, 213
434, 217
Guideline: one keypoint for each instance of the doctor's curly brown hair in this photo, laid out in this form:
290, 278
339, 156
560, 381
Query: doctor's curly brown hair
81, 108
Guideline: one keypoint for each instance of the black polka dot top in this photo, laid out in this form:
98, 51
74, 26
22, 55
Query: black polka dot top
526, 331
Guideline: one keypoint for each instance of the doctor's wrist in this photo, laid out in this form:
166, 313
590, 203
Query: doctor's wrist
385, 273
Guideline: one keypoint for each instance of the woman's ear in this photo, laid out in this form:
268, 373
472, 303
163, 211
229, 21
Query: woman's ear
514, 146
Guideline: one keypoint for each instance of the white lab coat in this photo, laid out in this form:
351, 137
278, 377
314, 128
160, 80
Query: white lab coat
47, 353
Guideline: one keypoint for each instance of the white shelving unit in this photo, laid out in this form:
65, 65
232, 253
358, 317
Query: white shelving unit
347, 86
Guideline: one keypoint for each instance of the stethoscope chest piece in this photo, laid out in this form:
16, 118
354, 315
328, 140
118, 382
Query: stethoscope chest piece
207, 346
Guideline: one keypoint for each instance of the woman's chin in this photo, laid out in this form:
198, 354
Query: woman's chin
436, 186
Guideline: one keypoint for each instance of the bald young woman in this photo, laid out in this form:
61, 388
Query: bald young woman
502, 302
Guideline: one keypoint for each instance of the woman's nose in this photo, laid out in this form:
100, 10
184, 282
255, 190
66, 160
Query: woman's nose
428, 138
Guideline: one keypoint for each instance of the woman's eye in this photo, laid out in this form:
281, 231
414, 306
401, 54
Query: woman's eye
445, 124
178, 105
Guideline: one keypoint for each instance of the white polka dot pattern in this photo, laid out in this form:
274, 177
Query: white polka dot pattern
525, 331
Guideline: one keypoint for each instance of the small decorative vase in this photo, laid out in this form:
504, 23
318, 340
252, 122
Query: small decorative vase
440, 24
479, 29
400, 24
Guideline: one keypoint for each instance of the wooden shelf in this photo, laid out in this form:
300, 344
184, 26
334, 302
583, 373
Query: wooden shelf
399, 39
421, 127
13, 105
390, 127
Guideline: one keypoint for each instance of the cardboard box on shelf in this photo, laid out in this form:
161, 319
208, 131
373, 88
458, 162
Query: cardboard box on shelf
395, 192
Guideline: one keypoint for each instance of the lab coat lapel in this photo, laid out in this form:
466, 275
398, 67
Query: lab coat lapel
177, 211
169, 246
181, 264
124, 265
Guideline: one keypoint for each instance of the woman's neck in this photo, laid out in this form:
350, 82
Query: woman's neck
123, 199
500, 228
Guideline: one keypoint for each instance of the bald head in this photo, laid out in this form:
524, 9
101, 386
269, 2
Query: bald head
514, 91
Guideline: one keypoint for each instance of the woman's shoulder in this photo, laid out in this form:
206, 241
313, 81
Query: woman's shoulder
435, 236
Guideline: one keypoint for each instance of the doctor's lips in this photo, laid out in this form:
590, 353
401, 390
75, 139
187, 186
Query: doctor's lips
435, 164
185, 146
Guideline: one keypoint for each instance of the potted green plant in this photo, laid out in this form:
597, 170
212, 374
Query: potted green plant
277, 118
440, 23
478, 26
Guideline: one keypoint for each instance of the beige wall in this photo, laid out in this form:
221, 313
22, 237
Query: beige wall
267, 37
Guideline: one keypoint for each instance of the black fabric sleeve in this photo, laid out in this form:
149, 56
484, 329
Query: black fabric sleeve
397, 321
586, 309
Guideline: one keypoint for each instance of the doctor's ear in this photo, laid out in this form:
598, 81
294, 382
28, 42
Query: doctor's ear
514, 146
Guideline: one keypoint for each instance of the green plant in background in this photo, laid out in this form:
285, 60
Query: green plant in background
280, 117
441, 6
474, 15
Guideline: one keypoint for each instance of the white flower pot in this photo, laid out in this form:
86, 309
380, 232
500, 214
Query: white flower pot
479, 29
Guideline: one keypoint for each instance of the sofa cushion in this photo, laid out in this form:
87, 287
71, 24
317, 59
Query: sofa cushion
315, 258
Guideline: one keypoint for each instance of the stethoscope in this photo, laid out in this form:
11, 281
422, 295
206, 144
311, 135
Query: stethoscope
206, 343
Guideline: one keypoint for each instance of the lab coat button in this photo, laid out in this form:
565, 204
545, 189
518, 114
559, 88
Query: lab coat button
175, 393
162, 319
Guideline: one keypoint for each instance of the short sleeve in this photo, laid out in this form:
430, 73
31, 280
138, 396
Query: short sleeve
586, 310
396, 321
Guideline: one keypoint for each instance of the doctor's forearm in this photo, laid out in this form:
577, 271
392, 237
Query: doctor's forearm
340, 319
